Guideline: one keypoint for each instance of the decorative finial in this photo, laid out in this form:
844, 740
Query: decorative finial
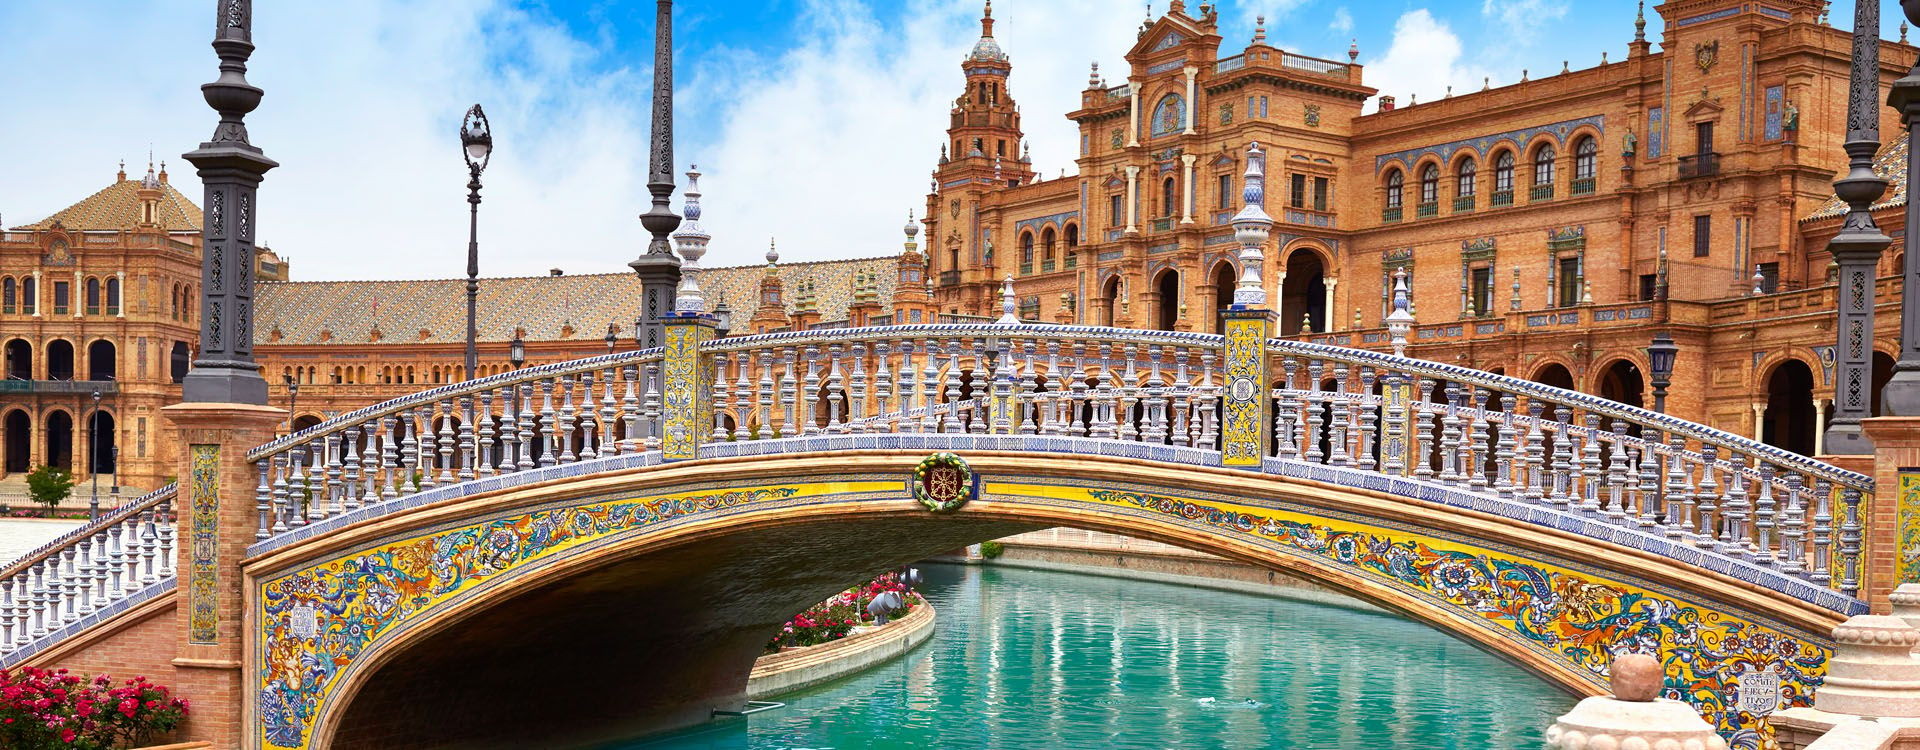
1400, 321
1903, 31
986, 20
691, 241
773, 253
1251, 228
1759, 281
1486, 82
1514, 303
1093, 76
1603, 57
1026, 152
1449, 92
1008, 306
1260, 30
1586, 292
1566, 66
1353, 50
1640, 23
1523, 75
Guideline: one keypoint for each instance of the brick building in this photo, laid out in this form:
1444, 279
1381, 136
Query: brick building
1550, 227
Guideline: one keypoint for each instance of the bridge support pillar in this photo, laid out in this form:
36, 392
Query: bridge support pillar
1246, 434
217, 520
1892, 518
686, 386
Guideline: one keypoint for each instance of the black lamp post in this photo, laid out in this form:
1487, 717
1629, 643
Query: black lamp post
476, 142
613, 336
1858, 246
1901, 394
293, 401
1660, 356
517, 350
93, 459
658, 268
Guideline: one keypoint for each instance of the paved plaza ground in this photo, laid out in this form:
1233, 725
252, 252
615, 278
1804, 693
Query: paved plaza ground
18, 536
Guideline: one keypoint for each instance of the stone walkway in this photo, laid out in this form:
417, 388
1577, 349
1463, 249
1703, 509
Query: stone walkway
18, 536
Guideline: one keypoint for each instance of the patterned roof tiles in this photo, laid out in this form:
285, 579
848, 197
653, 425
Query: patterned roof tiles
433, 311
117, 206
1890, 165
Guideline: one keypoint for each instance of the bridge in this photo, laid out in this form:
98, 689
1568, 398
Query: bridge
649, 517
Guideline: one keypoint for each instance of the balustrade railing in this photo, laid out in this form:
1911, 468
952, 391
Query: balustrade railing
87, 569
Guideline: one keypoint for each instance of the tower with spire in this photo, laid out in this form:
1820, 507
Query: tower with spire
771, 314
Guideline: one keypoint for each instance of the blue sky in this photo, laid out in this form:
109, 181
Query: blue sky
814, 121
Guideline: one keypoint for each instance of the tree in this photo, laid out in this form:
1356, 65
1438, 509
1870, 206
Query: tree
48, 485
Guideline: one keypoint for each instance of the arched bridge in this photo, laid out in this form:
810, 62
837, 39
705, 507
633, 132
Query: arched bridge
648, 518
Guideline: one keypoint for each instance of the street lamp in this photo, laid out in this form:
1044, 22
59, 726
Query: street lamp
476, 141
613, 336
293, 401
1660, 356
93, 459
1859, 244
1901, 394
517, 350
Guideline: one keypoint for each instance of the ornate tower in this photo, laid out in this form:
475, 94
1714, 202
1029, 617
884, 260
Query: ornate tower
772, 311
982, 155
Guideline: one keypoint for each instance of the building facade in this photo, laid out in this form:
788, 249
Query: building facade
1549, 227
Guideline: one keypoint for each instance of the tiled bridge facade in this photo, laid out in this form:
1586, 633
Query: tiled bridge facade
576, 552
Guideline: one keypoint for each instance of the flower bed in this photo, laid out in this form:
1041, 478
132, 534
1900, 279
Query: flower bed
835, 618
58, 709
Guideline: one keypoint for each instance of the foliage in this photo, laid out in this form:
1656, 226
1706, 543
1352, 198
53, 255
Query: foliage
835, 618
48, 485
991, 550
58, 709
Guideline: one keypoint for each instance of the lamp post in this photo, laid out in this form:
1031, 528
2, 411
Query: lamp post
1858, 246
517, 350
613, 336
476, 143
1660, 356
293, 401
93, 459
1901, 394
658, 269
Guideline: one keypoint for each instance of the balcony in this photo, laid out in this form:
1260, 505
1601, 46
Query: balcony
1426, 210
1026, 269
1073, 259
1586, 186
60, 387
1501, 198
1699, 165
1463, 204
1163, 225
1390, 216
1541, 193
949, 278
1046, 266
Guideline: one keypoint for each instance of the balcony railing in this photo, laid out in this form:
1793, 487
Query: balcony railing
1541, 193
1163, 225
1587, 186
1463, 204
1426, 210
50, 387
1390, 216
1699, 165
1026, 269
1046, 266
949, 278
1500, 198
1073, 259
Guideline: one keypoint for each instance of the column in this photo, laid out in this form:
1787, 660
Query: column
79, 295
1133, 116
121, 311
1133, 192
1327, 325
1819, 418
1193, 103
1246, 432
1858, 246
1186, 197
687, 382
1760, 421
39, 293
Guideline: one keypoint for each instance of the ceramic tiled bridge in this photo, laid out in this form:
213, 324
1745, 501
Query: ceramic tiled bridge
390, 548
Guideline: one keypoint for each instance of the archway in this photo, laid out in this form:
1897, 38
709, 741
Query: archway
100, 361
100, 443
59, 360
177, 361
59, 437
1167, 300
19, 355
1224, 280
305, 421
1556, 375
19, 437
1790, 421
1303, 298
1621, 382
1110, 301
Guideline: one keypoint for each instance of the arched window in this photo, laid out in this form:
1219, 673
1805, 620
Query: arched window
1170, 115
1026, 249
1429, 185
1396, 186
173, 302
1466, 179
9, 296
29, 295
1586, 155
1046, 248
1503, 172
1543, 165
93, 296
1073, 236
113, 296
1167, 197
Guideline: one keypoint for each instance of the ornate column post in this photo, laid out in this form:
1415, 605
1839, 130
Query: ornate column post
1902, 393
230, 168
658, 270
1186, 193
1133, 117
1245, 436
1819, 417
1193, 103
687, 401
1133, 192
1326, 326
1858, 246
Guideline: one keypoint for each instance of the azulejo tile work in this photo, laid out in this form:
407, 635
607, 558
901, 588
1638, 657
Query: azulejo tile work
1245, 421
204, 579
1908, 518
1572, 617
319, 619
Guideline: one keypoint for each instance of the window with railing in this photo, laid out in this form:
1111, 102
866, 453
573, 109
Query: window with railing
93, 296
1430, 184
1225, 191
9, 296
113, 296
1503, 172
1586, 158
1297, 196
1116, 210
62, 297
1427, 210
1466, 179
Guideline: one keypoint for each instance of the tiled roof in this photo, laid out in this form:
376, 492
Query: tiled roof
118, 207
350, 310
1890, 165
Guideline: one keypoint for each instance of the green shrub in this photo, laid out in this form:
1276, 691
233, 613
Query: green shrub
991, 550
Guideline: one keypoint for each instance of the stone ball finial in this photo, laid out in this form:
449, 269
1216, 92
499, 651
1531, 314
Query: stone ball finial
1906, 603
1637, 677
1871, 672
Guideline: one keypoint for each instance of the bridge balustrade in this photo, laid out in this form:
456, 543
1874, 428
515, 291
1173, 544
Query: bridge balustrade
127, 552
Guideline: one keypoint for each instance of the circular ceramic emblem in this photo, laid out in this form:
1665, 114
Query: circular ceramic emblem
1243, 389
943, 482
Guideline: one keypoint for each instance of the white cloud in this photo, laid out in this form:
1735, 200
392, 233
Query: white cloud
1274, 10
1342, 22
1423, 60
1523, 19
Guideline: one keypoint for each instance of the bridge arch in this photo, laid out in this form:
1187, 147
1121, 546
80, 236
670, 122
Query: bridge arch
598, 559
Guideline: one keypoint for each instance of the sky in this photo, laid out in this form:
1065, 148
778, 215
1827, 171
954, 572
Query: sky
814, 122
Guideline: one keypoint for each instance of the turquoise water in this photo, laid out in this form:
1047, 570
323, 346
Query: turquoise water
1030, 659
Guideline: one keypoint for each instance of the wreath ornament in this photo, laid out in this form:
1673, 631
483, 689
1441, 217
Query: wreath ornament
943, 482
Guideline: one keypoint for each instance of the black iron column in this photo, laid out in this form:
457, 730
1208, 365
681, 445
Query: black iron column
231, 169
476, 145
1858, 246
1902, 394
658, 269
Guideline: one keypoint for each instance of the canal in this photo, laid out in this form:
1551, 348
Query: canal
1027, 659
